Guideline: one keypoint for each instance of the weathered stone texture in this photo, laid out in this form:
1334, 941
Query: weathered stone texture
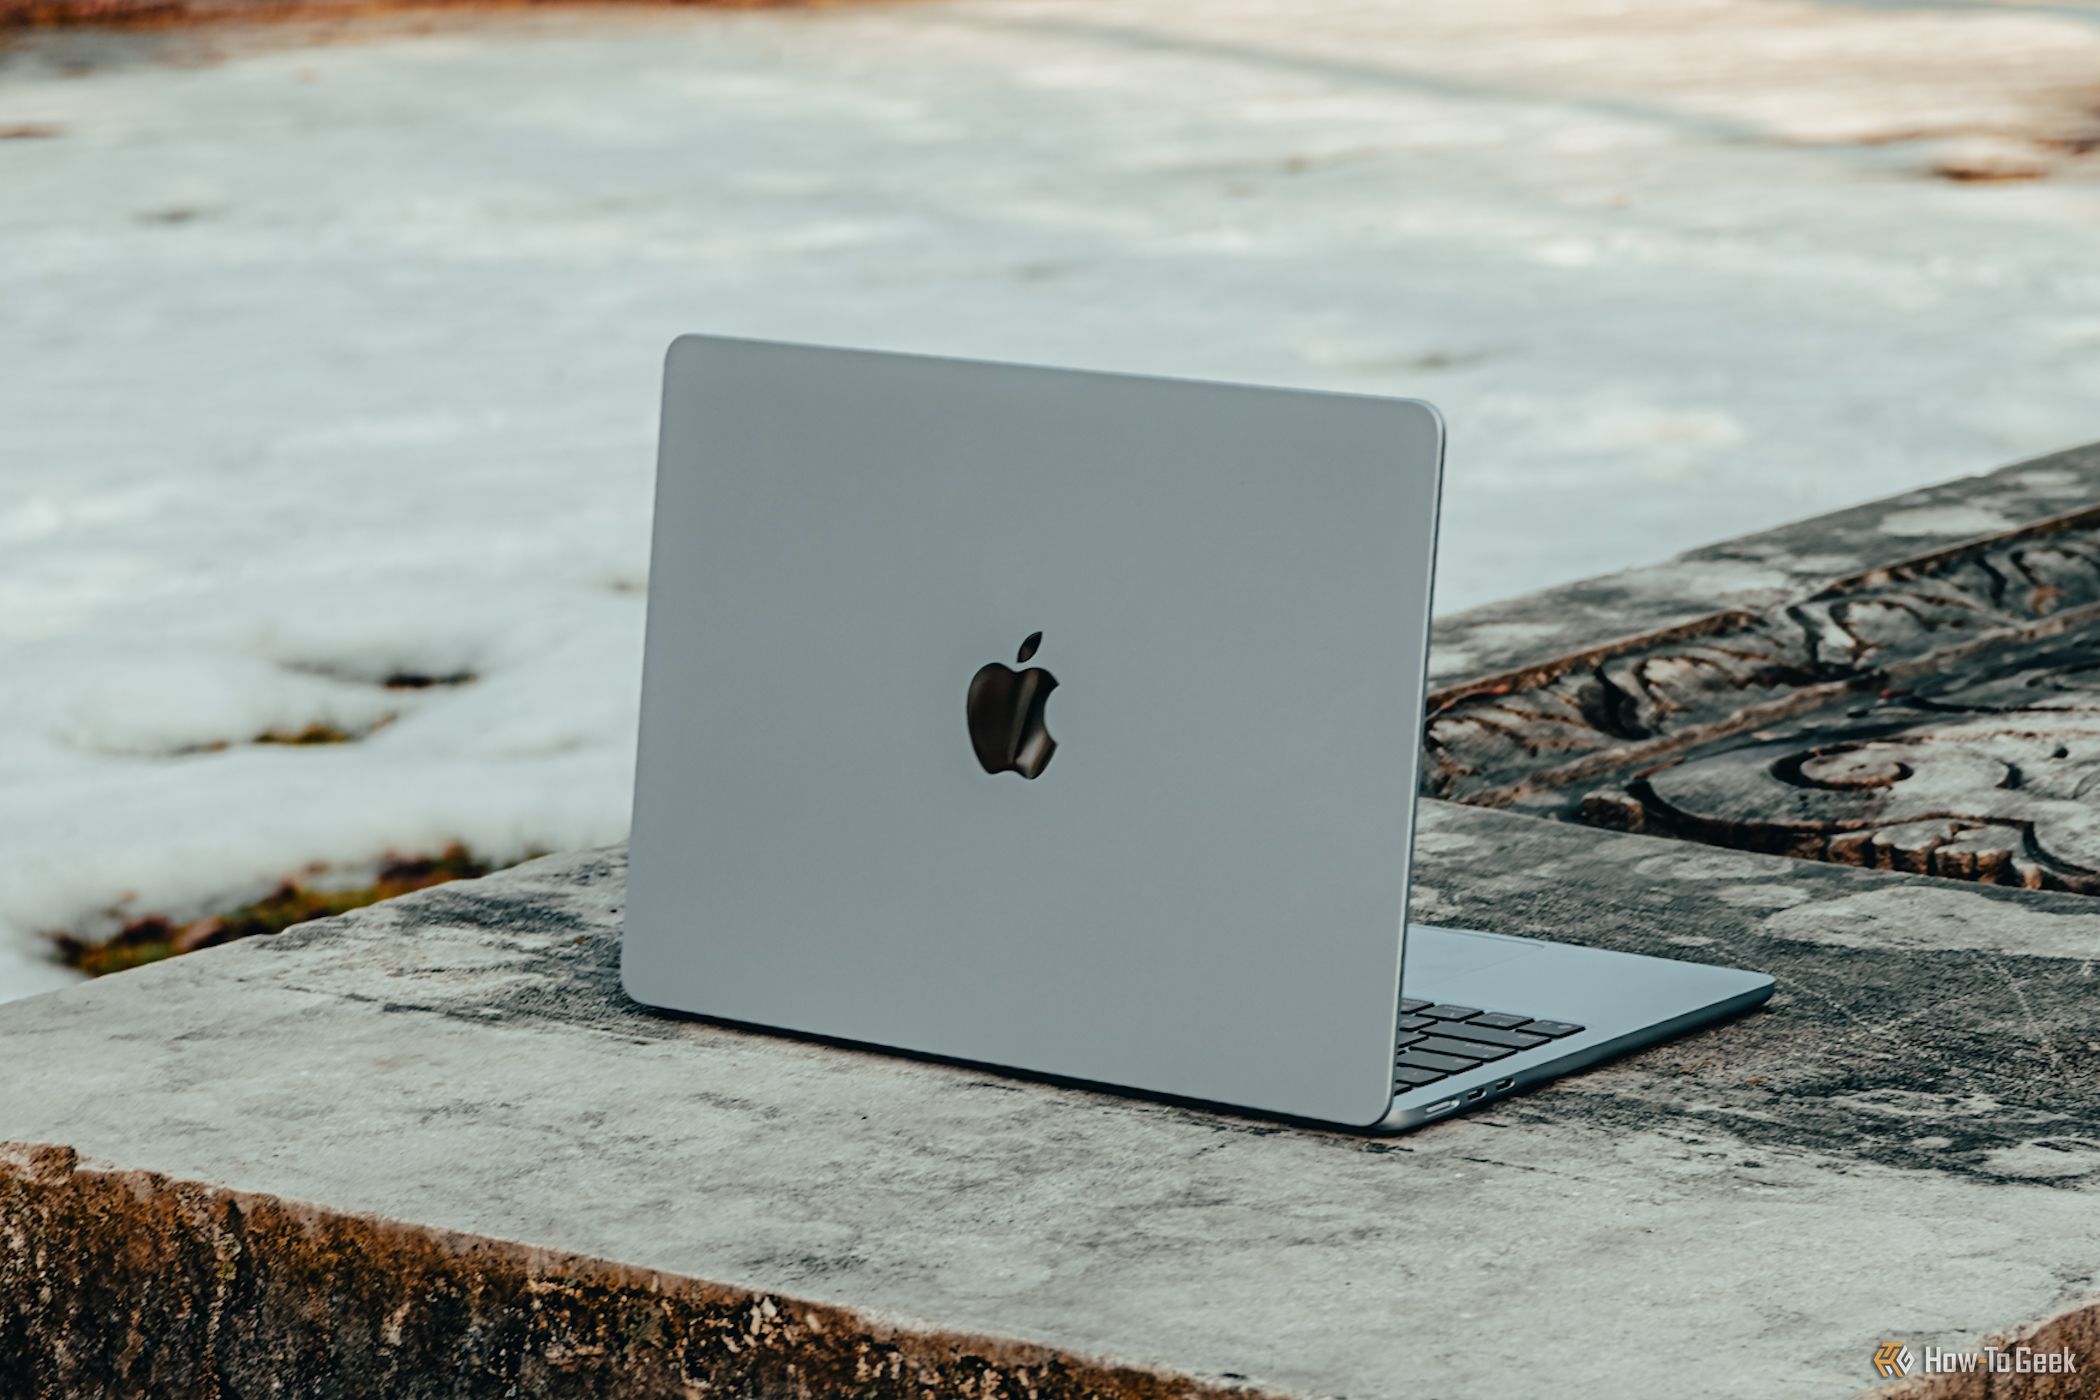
1931, 712
1906, 1143
125, 1283
1754, 573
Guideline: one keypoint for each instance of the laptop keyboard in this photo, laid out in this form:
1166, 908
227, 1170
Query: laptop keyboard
1437, 1040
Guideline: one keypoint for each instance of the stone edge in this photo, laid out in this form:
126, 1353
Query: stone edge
249, 1290
1745, 574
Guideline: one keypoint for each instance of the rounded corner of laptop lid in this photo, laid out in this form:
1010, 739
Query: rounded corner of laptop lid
1054, 720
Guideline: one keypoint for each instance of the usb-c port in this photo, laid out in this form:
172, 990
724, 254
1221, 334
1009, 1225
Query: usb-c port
1476, 1094
1505, 1083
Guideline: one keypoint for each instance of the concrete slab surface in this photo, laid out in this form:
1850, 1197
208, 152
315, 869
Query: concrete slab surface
1906, 1144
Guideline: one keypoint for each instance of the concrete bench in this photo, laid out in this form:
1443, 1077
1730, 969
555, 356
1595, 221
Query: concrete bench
430, 1149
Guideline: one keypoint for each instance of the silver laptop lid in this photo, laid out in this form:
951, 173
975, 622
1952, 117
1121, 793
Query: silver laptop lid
1202, 890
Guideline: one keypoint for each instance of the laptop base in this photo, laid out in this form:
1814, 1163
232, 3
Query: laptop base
1523, 993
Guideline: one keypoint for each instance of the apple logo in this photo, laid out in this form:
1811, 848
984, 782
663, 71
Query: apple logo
1005, 711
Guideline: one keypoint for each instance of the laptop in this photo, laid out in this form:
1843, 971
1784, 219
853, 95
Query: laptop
1070, 724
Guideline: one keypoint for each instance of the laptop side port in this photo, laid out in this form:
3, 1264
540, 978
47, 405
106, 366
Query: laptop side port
1444, 1107
1476, 1094
1505, 1084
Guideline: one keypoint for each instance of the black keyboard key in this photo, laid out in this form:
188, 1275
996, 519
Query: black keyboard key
1406, 1039
1491, 1035
1451, 1013
1415, 1077
1442, 1064
1556, 1029
1409, 1006
1415, 1023
1472, 1050
1500, 1020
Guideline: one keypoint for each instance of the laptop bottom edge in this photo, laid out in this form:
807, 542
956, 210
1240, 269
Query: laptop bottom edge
1598, 1003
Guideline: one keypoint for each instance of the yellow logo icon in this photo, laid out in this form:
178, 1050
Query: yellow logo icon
1892, 1359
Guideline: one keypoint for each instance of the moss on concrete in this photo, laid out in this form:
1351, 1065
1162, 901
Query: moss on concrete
155, 936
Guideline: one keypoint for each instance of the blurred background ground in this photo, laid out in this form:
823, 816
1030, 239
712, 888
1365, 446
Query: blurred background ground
328, 350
